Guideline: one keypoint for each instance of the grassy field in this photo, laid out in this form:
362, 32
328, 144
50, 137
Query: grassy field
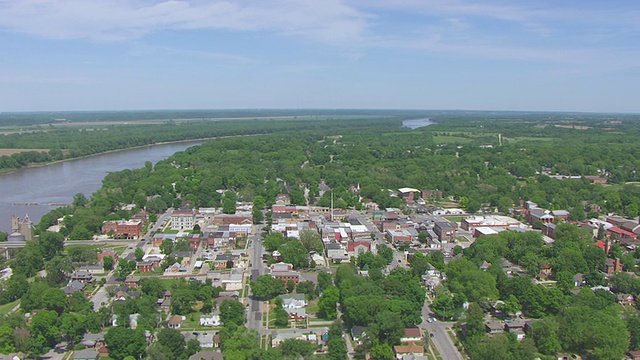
4, 309
525, 138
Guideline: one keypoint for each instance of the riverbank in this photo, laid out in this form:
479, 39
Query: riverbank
36, 165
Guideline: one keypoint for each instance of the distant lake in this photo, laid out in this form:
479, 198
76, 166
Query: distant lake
416, 123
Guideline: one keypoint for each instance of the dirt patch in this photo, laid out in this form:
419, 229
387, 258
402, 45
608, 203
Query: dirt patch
7, 152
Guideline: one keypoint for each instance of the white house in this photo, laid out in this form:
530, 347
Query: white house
210, 320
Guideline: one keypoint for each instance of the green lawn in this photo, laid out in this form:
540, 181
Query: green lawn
4, 309
456, 219
119, 249
312, 308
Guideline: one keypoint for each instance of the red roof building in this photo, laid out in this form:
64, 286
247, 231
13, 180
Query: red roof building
621, 233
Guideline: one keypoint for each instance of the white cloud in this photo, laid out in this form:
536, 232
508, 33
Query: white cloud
329, 21
147, 50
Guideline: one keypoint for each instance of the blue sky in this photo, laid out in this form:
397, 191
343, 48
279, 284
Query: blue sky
393, 54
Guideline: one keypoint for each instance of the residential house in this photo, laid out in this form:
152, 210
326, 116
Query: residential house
86, 354
72, 287
93, 341
154, 259
294, 305
175, 322
516, 327
133, 281
183, 256
210, 320
485, 266
545, 272
84, 277
410, 349
358, 333
311, 335
413, 334
578, 280
625, 299
204, 338
494, 327
165, 302
175, 267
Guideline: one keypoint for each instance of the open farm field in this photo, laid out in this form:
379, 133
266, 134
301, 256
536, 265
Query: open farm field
525, 138
7, 152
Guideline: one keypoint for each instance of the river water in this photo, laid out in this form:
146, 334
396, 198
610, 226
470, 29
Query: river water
416, 123
36, 191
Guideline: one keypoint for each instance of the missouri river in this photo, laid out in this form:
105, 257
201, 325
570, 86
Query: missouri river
37, 190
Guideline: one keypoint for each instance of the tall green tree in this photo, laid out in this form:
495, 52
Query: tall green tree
266, 286
51, 244
293, 252
173, 342
232, 312
123, 342
328, 302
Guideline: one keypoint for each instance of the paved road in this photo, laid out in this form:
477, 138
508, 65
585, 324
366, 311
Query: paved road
99, 298
254, 315
441, 339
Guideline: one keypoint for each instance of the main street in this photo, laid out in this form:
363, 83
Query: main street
254, 315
